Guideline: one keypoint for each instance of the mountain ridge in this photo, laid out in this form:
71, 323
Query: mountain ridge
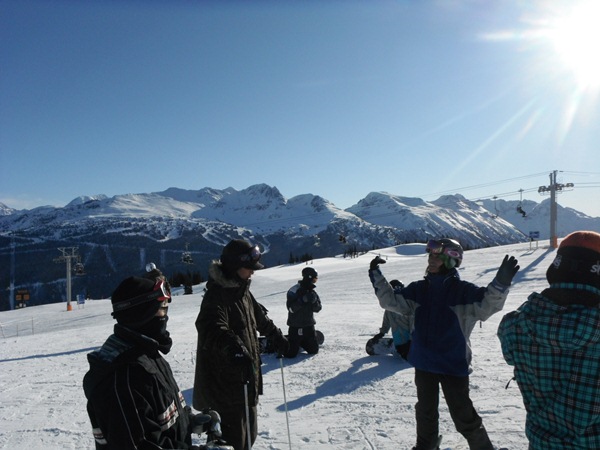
118, 235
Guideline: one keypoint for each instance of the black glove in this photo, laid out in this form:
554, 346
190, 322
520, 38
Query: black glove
199, 423
208, 421
309, 297
239, 354
507, 270
378, 336
280, 342
397, 284
314, 297
375, 262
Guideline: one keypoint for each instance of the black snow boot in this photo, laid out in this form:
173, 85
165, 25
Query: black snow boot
479, 440
435, 446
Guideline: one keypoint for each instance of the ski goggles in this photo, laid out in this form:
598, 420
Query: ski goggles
160, 293
253, 255
437, 248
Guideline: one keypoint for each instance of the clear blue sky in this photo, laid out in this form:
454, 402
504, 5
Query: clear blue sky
334, 98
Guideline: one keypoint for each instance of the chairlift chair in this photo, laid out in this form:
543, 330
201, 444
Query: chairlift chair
186, 258
519, 206
79, 269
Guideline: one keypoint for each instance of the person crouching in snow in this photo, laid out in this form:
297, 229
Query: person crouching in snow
553, 342
445, 310
302, 303
401, 327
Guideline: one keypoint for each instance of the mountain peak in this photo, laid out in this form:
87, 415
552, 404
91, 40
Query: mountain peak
263, 190
82, 199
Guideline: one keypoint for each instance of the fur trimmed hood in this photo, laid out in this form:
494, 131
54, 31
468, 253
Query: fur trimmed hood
219, 275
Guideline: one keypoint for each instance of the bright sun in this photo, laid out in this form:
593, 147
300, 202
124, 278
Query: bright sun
576, 39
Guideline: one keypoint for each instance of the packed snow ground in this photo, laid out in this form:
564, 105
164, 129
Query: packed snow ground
339, 399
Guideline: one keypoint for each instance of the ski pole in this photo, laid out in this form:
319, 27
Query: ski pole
287, 420
249, 436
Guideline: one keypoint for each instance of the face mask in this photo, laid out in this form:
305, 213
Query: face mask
156, 328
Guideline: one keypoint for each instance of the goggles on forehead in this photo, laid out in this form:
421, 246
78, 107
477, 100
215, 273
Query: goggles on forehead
252, 255
437, 248
160, 293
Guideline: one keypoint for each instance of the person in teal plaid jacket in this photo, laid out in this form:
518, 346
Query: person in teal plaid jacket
553, 342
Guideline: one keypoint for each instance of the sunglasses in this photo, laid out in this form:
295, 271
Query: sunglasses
160, 293
252, 255
437, 248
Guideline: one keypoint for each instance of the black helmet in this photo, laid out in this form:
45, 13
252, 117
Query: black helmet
309, 272
239, 253
448, 247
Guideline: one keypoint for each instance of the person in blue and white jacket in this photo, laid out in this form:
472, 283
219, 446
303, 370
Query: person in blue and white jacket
445, 310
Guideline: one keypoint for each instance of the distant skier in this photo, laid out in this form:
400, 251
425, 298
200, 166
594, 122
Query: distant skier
302, 303
445, 310
553, 342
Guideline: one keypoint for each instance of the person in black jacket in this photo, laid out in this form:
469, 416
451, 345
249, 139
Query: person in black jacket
302, 303
133, 399
228, 374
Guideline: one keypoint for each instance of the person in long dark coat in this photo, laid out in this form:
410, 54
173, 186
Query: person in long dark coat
228, 366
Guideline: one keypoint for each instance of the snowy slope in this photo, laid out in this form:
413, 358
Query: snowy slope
338, 399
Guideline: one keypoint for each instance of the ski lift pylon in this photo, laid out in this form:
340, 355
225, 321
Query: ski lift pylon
186, 257
495, 208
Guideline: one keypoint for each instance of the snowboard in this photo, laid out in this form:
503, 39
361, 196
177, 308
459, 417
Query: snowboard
267, 346
381, 346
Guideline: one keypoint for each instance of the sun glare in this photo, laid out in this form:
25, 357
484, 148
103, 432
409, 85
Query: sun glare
576, 39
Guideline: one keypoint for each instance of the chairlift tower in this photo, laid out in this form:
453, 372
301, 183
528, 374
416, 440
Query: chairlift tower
68, 254
496, 214
554, 188
186, 257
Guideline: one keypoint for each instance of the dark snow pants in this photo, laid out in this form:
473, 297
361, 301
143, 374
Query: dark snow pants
465, 418
305, 338
234, 427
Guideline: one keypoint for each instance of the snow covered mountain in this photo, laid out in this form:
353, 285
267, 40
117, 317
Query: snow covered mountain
5, 210
120, 234
451, 215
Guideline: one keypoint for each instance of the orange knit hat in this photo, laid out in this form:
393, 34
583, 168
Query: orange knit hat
577, 260
585, 239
